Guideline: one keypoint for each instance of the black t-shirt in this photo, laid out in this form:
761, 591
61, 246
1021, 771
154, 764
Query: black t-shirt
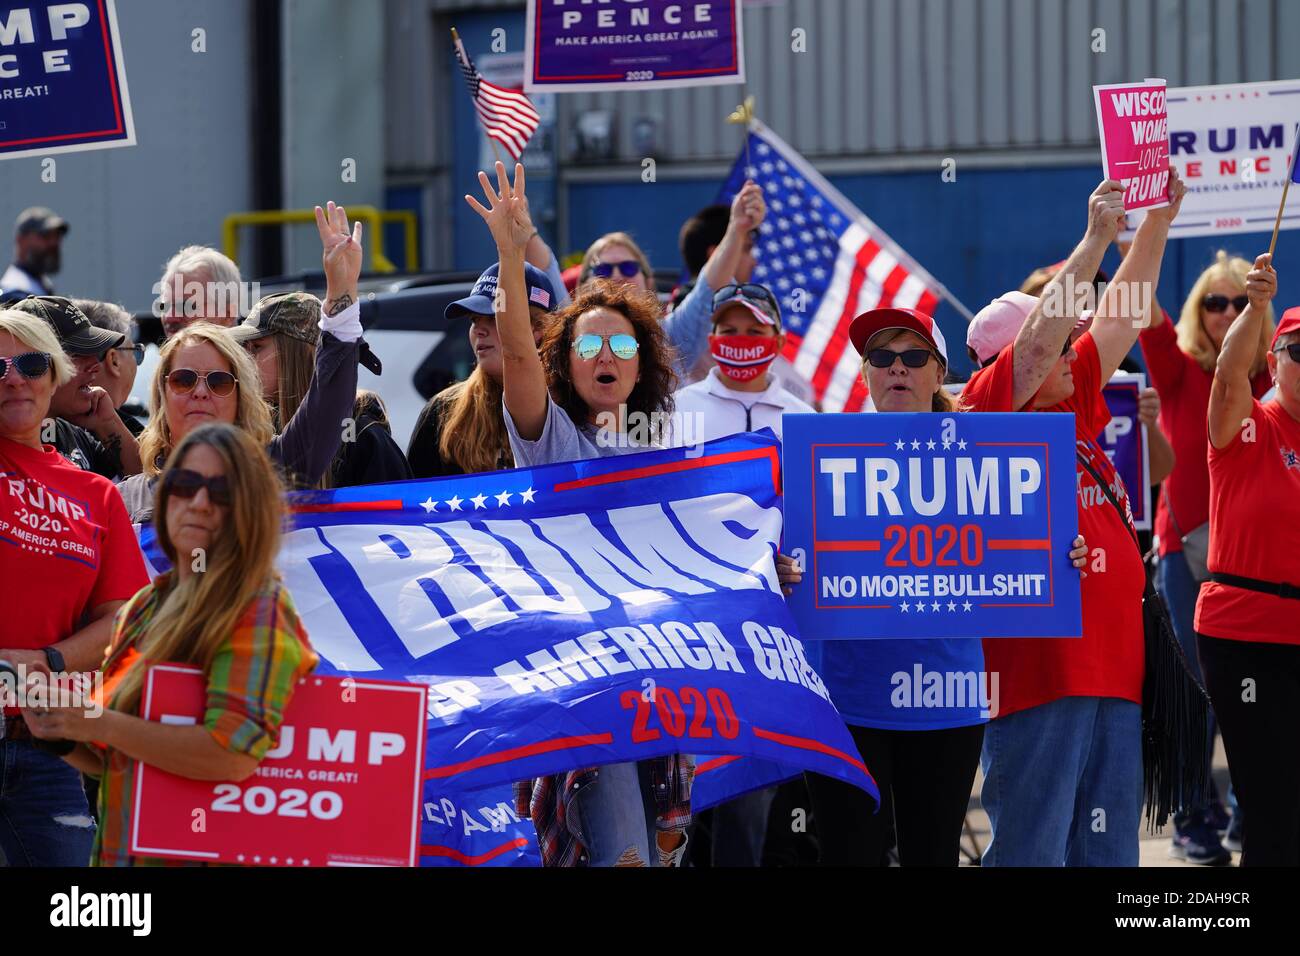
84, 450
374, 458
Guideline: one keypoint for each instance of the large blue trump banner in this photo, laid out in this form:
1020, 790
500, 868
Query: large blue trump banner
569, 616
932, 525
62, 81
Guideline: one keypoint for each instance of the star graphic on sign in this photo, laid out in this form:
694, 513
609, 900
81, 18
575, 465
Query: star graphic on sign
429, 504
916, 445
965, 605
503, 499
528, 496
920, 606
935, 605
478, 501
906, 606
930, 445
947, 445
962, 444
454, 503
899, 444
951, 606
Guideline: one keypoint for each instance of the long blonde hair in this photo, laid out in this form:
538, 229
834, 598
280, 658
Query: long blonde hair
199, 613
474, 432
1192, 337
251, 414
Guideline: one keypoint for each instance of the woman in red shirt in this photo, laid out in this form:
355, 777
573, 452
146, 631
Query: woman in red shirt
1181, 361
68, 561
1248, 615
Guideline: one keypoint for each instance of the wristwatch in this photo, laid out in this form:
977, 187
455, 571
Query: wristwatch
54, 659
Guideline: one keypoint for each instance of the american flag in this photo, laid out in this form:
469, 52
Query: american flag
508, 116
827, 263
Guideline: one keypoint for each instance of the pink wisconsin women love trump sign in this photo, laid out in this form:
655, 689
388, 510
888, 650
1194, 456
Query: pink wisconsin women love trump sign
1134, 125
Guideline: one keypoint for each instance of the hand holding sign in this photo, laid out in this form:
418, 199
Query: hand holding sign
1106, 211
1134, 125
1173, 197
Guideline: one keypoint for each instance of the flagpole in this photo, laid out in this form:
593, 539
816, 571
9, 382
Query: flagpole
1295, 149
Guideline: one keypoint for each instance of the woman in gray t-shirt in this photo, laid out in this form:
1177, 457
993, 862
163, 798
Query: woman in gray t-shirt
600, 384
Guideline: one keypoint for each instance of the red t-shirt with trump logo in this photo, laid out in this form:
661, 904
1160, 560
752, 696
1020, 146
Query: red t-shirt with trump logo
1108, 661
66, 546
1254, 508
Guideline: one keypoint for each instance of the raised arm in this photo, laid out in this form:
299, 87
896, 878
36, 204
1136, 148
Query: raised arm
1123, 311
523, 379
1231, 398
308, 442
1041, 338
687, 326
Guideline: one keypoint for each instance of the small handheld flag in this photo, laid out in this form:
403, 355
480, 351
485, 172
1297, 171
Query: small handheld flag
508, 116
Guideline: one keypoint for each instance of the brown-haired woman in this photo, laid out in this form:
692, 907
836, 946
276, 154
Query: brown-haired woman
603, 359
1181, 360
220, 496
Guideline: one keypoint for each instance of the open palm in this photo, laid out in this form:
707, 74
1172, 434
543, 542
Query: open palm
506, 213
341, 247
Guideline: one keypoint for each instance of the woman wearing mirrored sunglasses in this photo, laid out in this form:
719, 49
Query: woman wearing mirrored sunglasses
603, 360
221, 498
1248, 614
1181, 361
206, 376
68, 562
924, 761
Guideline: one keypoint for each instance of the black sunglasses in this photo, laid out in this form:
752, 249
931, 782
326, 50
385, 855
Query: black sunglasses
628, 268
749, 290
185, 380
184, 483
137, 352
28, 365
1219, 303
1292, 350
912, 358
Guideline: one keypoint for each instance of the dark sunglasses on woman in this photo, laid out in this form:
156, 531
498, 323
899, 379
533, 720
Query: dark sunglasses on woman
1292, 350
912, 358
624, 346
184, 483
1219, 303
627, 269
185, 380
28, 365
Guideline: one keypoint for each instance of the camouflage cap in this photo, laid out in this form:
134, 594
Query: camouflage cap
295, 314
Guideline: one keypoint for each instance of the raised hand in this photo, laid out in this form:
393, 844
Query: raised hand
1177, 190
1261, 283
340, 256
748, 208
1106, 211
506, 213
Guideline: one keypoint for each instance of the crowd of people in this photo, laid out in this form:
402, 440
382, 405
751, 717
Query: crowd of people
242, 408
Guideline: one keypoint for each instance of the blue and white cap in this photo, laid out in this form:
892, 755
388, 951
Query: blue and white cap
479, 302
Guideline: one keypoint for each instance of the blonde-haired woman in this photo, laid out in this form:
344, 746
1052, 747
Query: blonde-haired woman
68, 561
1181, 361
234, 620
206, 376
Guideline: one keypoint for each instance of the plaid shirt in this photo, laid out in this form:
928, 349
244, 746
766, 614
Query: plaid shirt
251, 680
546, 801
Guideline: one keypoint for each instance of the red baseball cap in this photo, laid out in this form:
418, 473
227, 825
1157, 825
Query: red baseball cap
1290, 323
869, 323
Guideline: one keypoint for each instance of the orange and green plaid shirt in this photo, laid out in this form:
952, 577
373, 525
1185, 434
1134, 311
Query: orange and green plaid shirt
251, 680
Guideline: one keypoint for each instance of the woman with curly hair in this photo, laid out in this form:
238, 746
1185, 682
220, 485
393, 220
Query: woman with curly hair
604, 362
